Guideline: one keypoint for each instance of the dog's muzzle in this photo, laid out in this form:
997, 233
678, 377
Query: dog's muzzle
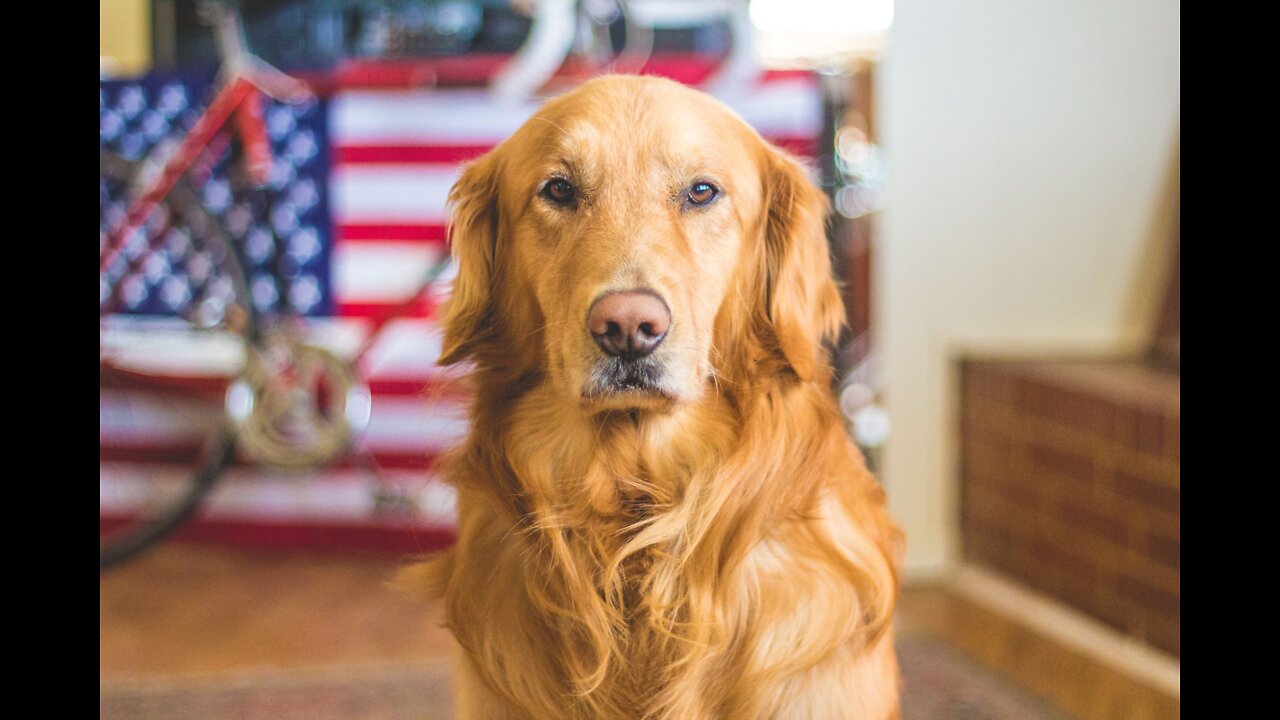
628, 327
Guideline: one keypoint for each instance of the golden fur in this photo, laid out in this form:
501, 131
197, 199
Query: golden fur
715, 549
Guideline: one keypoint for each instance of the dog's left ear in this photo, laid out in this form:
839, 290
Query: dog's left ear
803, 304
473, 239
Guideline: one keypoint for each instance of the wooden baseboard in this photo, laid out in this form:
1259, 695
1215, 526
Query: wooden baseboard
1070, 628
1081, 666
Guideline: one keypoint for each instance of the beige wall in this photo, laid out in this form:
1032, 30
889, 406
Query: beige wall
124, 34
1031, 145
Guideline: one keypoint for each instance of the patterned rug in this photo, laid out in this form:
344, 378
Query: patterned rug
939, 684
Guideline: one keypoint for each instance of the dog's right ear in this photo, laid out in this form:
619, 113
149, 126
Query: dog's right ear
804, 306
473, 237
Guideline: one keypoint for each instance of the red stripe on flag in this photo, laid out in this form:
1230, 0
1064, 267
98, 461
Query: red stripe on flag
380, 311
179, 388
479, 69
407, 154
788, 74
388, 74
171, 386
390, 537
803, 147
458, 154
350, 232
453, 389
185, 453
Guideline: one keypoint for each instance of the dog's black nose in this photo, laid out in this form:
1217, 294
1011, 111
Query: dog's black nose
629, 324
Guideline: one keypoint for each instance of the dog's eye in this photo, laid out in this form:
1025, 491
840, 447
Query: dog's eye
560, 192
702, 193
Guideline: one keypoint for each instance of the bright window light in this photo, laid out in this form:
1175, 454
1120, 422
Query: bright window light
823, 16
816, 33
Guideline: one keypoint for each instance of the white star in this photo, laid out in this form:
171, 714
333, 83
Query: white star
136, 244
133, 291
174, 292
257, 245
110, 125
304, 293
222, 288
303, 194
264, 293
217, 194
155, 268
154, 125
284, 218
132, 100
280, 122
239, 219
178, 244
304, 244
302, 147
282, 173
199, 267
173, 99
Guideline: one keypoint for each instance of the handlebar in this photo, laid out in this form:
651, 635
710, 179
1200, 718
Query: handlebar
233, 49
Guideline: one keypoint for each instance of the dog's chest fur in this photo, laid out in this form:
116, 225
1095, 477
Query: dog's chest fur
647, 570
603, 589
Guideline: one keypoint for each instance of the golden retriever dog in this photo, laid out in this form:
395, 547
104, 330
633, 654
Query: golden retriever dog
660, 515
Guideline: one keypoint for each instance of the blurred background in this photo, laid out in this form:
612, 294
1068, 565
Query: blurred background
1005, 179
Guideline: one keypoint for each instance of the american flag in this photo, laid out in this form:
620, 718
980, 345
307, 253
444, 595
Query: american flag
363, 174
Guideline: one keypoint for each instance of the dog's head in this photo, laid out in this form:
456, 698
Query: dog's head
634, 241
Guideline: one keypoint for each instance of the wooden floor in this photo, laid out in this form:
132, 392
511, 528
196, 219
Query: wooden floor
185, 609
188, 610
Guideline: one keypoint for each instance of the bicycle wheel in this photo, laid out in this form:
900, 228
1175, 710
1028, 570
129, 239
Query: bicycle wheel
176, 316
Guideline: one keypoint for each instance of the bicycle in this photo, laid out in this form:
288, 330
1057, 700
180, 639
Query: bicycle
292, 403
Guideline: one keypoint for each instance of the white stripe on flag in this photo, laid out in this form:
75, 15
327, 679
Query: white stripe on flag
412, 424
407, 348
396, 423
452, 117
125, 418
259, 494
383, 194
377, 272
161, 347
790, 108
785, 108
